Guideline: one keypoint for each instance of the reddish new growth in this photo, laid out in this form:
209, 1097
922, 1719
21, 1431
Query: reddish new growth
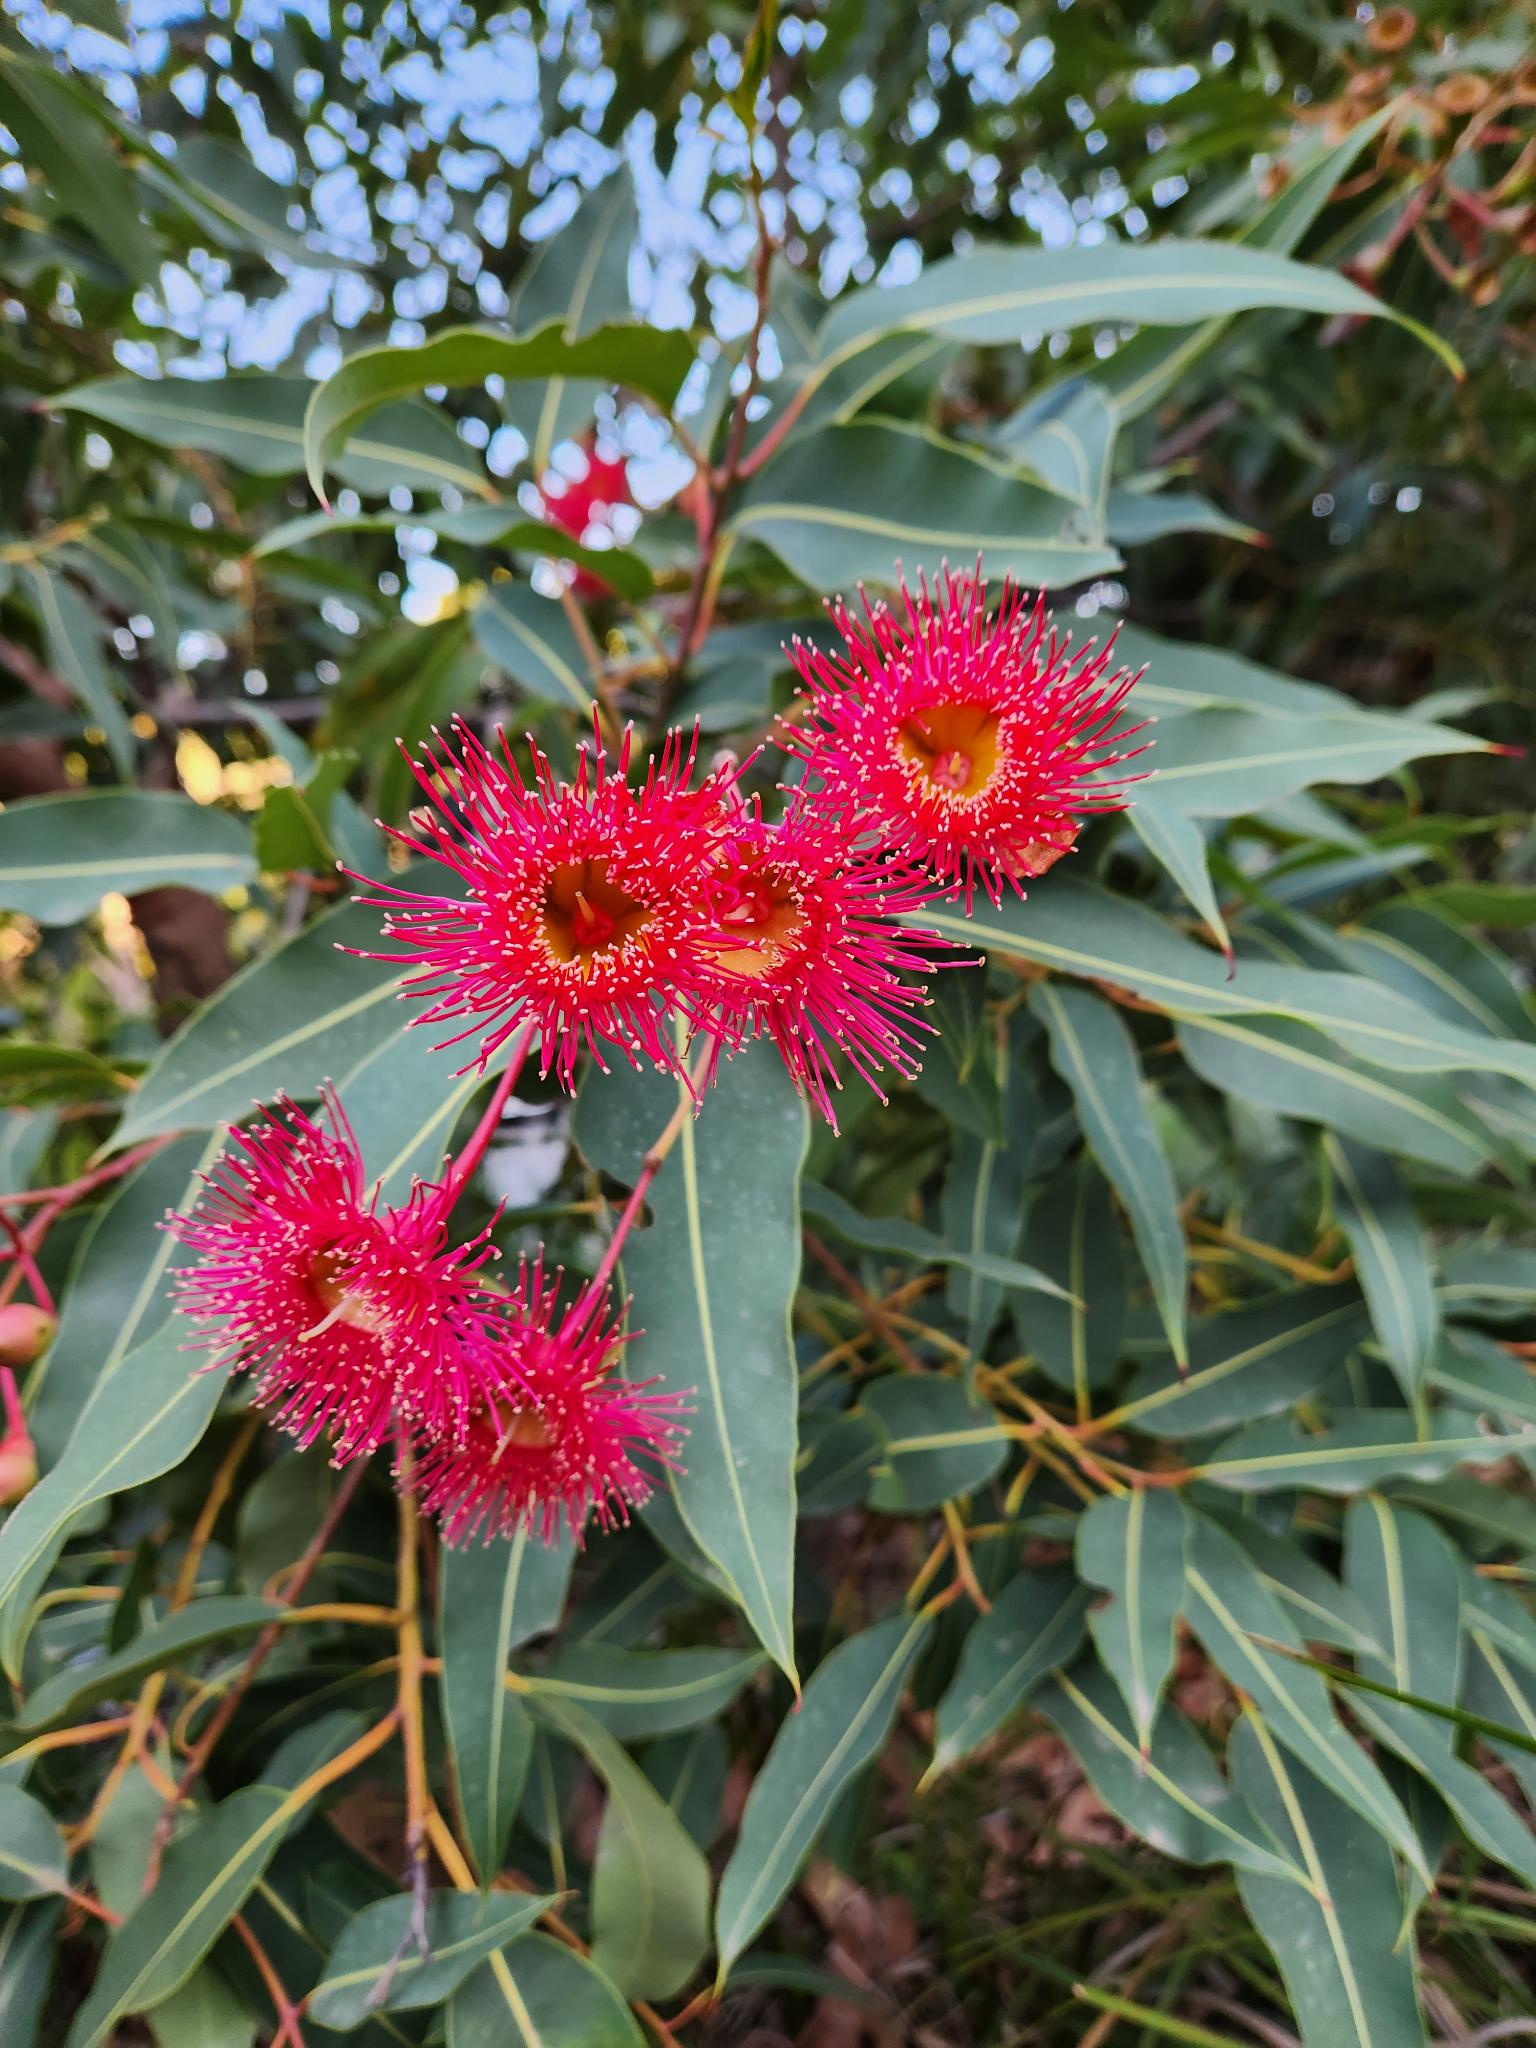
567, 1436
580, 505
584, 910
809, 951
974, 745
349, 1314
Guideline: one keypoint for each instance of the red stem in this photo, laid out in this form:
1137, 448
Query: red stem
87, 1183
480, 1137
27, 1265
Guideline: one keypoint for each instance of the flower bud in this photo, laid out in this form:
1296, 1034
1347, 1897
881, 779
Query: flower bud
18, 1466
24, 1332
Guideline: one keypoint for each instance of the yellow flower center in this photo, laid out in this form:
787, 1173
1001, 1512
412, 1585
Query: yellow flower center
766, 919
953, 745
328, 1273
585, 914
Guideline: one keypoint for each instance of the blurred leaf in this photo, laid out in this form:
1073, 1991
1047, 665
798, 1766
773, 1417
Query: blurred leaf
221, 1617
938, 1441
650, 1883
57, 1073
27, 1937
1073, 1235
59, 855
463, 1928
636, 1693
531, 641
541, 1992
72, 641
1391, 1257
1036, 1623
1132, 1545
33, 1859
713, 1278
1403, 1571
906, 1240
1359, 1450
1349, 1977
983, 1213
58, 130
1223, 764
837, 1728
293, 827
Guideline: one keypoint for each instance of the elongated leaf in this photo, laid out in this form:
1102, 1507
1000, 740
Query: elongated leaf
537, 1994
59, 132
1173, 1797
208, 1874
33, 1860
1349, 1978
938, 1441
140, 1423
1256, 1360
1422, 1742
997, 295
59, 855
648, 359
1094, 1054
1405, 1574
1177, 842
650, 1883
911, 1241
1074, 1236
116, 1296
27, 1937
983, 1211
257, 423
294, 1016
1235, 1616
1391, 1256
1479, 1374
1443, 967
463, 1929
1323, 1610
1133, 1546
713, 1277
843, 505
1488, 1282
1036, 1623
72, 638
1360, 1450
529, 639
839, 1726
1066, 435
635, 1693
492, 1599
219, 1618
1225, 764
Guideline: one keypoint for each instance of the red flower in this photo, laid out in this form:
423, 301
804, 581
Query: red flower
585, 910
350, 1315
566, 1437
578, 504
811, 951
971, 745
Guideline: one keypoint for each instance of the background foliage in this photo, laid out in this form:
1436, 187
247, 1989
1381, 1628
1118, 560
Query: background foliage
1137, 1707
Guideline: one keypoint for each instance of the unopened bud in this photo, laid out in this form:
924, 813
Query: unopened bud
24, 1332
18, 1466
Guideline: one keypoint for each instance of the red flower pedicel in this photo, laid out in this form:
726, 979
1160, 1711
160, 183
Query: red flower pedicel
585, 910
970, 744
569, 1437
348, 1314
810, 951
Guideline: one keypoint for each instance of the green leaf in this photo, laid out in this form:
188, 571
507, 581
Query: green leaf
116, 1294
60, 133
222, 1617
1133, 1546
72, 640
1392, 1259
906, 1240
648, 359
1036, 1623
1405, 1575
1066, 436
983, 1212
1323, 1610
1488, 1282
139, 1423
1350, 1978
636, 1693
650, 1882
1178, 844
223, 191
1479, 1374
57, 1073
996, 295
1135, 517
845, 504
1250, 1361
530, 639
293, 826
293, 1016
540, 1994
1227, 764
33, 1859
1421, 1741
839, 1726
1096, 1057
579, 279
204, 2013
463, 1929
713, 1278
1443, 968
209, 1872
28, 1938
1074, 1236
1235, 1617
493, 1598
938, 1441
59, 855
1359, 1450
1173, 1797
257, 424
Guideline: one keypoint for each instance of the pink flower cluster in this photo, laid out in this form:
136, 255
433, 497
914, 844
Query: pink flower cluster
941, 749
